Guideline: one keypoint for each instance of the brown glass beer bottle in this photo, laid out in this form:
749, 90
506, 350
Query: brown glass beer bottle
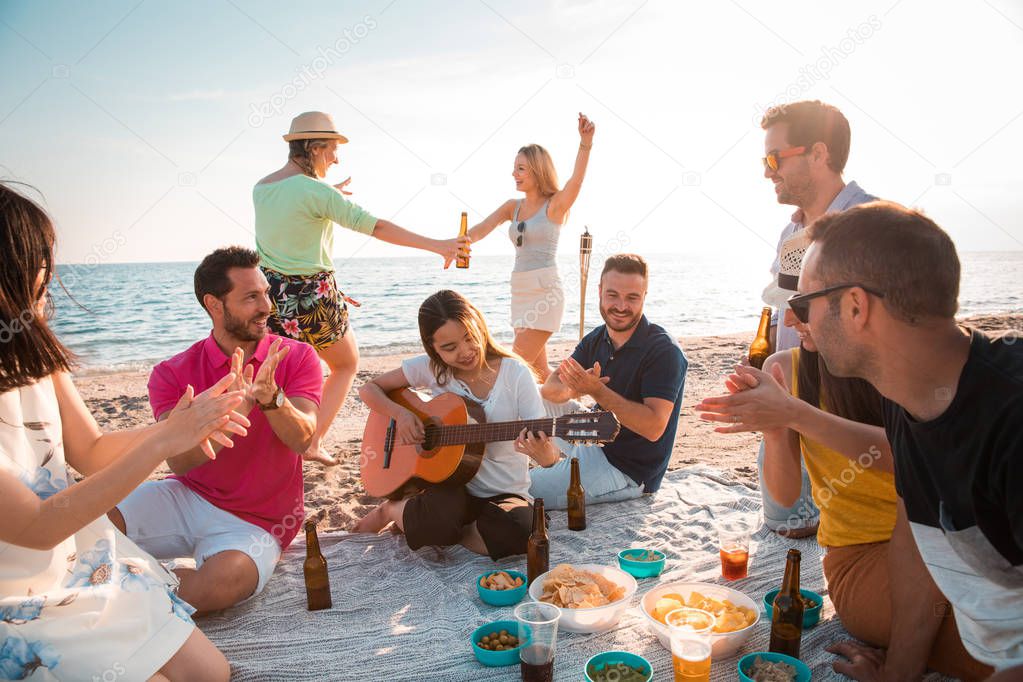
317, 584
787, 615
462, 260
761, 346
538, 546
576, 499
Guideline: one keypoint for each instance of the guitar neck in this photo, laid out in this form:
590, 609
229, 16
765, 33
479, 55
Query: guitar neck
488, 432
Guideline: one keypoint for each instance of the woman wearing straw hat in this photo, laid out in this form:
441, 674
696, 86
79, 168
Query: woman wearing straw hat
295, 215
538, 300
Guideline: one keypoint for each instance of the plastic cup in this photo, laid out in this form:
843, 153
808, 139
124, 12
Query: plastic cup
733, 546
689, 631
538, 629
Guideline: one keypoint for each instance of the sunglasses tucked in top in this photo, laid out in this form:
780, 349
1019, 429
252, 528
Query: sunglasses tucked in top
800, 303
521, 227
774, 157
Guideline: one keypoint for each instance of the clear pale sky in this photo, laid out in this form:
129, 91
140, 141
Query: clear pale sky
145, 124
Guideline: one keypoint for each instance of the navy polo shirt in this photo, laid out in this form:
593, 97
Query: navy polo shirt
649, 365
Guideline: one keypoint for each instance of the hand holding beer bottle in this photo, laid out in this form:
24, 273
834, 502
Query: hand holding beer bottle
462, 261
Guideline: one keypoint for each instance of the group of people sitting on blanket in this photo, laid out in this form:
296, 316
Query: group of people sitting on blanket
888, 429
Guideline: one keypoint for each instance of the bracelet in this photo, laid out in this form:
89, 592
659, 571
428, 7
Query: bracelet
585, 146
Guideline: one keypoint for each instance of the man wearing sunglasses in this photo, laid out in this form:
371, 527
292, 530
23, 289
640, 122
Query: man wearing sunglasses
878, 291
806, 146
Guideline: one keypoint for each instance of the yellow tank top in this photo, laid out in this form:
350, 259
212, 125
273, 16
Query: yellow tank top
857, 502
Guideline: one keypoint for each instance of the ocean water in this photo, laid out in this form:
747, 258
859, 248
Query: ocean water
131, 315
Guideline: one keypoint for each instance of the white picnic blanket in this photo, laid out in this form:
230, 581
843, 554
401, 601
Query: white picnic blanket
404, 615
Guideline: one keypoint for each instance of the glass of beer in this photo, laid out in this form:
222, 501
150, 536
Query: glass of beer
690, 633
538, 631
734, 550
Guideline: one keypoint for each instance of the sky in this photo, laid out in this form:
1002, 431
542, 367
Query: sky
144, 124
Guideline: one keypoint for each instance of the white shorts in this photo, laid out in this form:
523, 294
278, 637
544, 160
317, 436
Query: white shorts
537, 299
169, 521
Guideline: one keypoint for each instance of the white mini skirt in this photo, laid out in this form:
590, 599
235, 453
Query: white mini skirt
537, 299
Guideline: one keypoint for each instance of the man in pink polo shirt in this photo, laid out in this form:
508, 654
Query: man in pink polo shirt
235, 513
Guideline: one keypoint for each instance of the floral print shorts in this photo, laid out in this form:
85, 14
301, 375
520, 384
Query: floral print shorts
307, 307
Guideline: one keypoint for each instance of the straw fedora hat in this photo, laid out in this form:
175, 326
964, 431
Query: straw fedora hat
314, 125
777, 292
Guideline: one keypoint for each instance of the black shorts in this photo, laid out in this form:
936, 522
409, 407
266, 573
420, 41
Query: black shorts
307, 307
439, 514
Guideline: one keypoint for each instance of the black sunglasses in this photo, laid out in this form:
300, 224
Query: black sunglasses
800, 303
521, 228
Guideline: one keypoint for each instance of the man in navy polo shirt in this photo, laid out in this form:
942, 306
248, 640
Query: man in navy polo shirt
632, 368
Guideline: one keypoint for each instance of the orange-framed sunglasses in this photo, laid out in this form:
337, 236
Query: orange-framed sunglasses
773, 159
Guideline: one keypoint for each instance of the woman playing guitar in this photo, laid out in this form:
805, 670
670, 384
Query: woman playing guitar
492, 513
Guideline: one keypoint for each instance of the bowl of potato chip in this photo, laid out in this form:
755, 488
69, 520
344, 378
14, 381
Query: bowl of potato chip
735, 614
592, 597
501, 588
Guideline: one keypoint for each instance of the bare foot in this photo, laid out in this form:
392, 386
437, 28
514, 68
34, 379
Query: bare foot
372, 522
316, 453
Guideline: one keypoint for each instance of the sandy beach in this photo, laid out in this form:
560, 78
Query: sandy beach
335, 495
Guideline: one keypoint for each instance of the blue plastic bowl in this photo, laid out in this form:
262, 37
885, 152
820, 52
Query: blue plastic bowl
600, 661
746, 662
496, 659
810, 616
502, 597
641, 569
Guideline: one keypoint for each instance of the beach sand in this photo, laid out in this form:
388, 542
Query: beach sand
335, 495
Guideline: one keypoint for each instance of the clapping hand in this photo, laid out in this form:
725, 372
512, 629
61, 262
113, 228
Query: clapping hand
757, 401
257, 387
209, 416
581, 381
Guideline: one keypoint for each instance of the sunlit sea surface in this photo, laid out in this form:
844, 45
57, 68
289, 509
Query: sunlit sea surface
132, 315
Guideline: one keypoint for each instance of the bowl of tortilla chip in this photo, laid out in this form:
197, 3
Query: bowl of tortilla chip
736, 614
592, 597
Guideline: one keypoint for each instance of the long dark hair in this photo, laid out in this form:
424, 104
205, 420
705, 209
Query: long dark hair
447, 305
29, 350
853, 399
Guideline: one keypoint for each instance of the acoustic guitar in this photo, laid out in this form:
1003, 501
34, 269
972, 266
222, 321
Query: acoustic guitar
456, 433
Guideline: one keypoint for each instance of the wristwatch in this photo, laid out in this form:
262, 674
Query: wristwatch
276, 400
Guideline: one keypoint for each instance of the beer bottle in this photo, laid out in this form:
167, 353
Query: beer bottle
538, 547
462, 260
761, 346
787, 616
576, 500
317, 584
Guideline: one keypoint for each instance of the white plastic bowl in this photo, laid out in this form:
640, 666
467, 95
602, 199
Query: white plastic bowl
597, 618
724, 644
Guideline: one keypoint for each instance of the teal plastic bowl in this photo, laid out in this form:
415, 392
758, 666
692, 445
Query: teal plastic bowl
502, 597
601, 661
810, 616
496, 659
641, 569
746, 662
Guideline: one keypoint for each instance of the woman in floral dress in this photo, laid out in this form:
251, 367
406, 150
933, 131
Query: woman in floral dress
78, 600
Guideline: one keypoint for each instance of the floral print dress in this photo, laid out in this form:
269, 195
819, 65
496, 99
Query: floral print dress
95, 607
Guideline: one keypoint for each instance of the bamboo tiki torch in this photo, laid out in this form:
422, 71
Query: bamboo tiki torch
585, 249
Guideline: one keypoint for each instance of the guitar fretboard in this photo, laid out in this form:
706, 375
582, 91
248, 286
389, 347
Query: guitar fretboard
462, 434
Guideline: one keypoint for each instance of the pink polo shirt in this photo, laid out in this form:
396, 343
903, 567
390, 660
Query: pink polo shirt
259, 479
